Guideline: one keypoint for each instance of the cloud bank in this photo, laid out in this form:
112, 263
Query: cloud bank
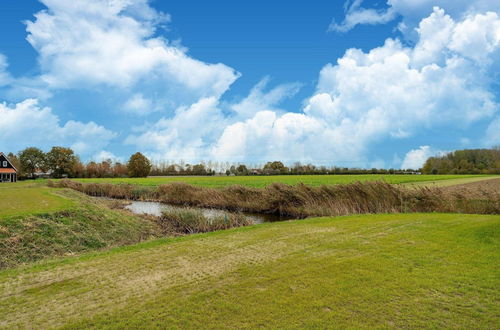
444, 78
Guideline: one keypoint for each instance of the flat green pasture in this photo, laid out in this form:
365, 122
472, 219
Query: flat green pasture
262, 181
372, 271
23, 198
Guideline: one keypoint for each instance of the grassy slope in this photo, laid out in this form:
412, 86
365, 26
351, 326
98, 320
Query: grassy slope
261, 181
36, 223
413, 270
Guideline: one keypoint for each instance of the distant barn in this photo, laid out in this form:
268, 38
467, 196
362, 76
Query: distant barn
8, 172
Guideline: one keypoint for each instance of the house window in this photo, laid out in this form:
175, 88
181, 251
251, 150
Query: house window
4, 163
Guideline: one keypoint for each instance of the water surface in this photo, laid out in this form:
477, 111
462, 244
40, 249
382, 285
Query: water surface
156, 209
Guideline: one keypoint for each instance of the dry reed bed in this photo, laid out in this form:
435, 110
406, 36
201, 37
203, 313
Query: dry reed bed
301, 200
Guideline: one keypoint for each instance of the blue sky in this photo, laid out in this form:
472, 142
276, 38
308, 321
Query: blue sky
356, 83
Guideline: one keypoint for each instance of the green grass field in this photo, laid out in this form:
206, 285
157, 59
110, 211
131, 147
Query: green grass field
262, 181
374, 271
23, 199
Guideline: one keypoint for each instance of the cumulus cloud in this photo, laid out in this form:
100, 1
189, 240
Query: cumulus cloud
192, 131
410, 11
390, 92
115, 44
26, 124
187, 135
416, 158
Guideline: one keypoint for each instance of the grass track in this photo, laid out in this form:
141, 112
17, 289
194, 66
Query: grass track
262, 181
411, 270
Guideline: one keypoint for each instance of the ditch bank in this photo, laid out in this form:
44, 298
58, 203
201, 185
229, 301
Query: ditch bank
300, 201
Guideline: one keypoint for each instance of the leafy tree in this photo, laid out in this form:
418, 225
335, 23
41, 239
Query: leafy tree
138, 166
241, 170
275, 167
32, 159
468, 161
61, 161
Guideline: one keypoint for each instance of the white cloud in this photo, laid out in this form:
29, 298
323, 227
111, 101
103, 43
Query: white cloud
104, 155
27, 124
190, 134
259, 100
356, 15
5, 77
492, 136
114, 43
414, 11
411, 11
390, 92
139, 105
416, 158
187, 135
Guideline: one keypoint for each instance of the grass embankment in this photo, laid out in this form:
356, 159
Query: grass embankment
38, 222
301, 200
397, 271
263, 181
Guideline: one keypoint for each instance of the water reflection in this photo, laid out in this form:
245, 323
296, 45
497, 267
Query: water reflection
156, 209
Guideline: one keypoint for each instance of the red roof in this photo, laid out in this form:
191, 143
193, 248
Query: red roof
7, 170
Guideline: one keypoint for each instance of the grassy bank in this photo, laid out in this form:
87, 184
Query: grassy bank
397, 271
301, 200
42, 223
263, 181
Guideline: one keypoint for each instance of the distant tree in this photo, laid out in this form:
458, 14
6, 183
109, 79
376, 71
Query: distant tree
241, 170
120, 170
275, 167
468, 161
61, 161
32, 159
78, 170
138, 166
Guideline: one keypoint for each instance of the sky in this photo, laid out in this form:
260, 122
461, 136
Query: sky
358, 83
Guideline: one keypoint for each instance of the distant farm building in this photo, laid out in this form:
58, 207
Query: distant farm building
8, 173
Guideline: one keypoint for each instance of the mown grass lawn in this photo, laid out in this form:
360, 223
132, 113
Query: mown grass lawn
403, 270
262, 181
18, 199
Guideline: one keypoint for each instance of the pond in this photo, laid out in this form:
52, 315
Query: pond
156, 209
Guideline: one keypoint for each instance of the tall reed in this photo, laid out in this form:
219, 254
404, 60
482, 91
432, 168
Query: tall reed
302, 200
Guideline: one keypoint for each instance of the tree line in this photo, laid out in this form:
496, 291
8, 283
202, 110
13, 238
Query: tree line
61, 162
467, 161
